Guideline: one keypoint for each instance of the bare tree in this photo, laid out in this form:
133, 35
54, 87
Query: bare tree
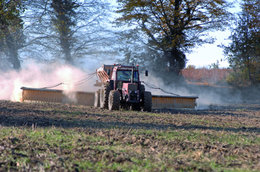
66, 29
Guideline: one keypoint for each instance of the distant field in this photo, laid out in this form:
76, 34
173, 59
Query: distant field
56, 137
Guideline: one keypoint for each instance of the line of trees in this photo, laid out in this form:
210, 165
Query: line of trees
154, 33
244, 51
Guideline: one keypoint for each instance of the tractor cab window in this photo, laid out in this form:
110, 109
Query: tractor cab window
126, 75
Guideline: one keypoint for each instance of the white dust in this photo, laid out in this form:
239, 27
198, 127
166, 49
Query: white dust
33, 75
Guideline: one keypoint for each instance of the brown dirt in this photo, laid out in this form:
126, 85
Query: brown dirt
130, 130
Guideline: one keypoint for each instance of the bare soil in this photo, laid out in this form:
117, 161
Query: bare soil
219, 138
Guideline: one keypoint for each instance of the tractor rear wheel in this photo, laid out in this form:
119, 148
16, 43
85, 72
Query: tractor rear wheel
114, 100
147, 106
104, 94
97, 99
142, 89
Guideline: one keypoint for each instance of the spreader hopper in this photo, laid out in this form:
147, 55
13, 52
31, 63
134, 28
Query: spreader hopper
173, 102
87, 98
57, 96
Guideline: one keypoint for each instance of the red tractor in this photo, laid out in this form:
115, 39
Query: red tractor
121, 87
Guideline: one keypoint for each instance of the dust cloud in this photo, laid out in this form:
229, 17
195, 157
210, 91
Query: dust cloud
53, 76
208, 95
70, 79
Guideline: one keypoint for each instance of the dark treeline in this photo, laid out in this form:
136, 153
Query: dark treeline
156, 34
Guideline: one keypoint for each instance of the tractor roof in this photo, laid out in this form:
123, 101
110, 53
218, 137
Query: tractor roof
119, 66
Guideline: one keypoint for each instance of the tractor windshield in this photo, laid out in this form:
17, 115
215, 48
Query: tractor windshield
126, 75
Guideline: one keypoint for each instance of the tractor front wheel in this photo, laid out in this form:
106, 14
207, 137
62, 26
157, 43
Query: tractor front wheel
114, 100
97, 99
147, 106
104, 94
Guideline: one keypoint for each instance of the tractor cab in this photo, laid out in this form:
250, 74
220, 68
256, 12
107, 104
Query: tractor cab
126, 80
125, 74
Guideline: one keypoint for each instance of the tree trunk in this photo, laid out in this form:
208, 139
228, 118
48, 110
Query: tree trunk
15, 61
12, 53
13, 58
66, 51
176, 60
249, 70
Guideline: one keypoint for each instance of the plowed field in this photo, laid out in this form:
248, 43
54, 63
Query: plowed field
58, 137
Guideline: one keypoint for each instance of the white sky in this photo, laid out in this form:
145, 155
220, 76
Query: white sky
208, 54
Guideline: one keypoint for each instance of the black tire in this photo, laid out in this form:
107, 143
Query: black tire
104, 94
147, 101
97, 99
142, 89
136, 107
114, 100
